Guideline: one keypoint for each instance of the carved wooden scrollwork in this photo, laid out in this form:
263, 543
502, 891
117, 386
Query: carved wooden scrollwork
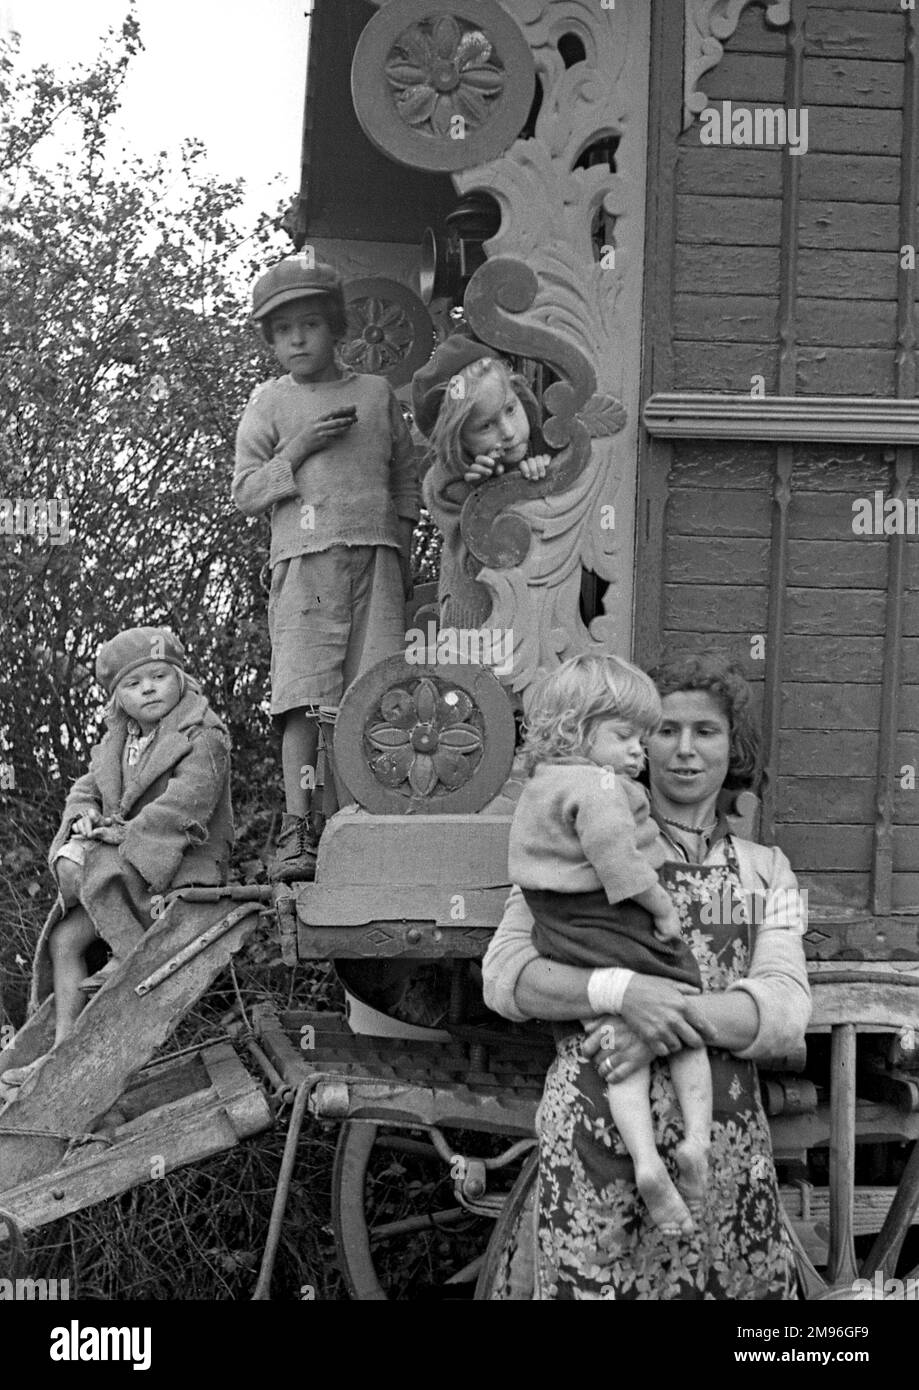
709, 24
442, 84
499, 290
390, 332
424, 738
545, 293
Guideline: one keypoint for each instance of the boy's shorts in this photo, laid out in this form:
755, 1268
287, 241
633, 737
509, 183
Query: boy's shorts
331, 616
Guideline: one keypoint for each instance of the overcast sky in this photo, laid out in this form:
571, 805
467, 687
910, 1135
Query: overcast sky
230, 72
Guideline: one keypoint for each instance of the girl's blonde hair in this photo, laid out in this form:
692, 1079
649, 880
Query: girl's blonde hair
459, 401
565, 705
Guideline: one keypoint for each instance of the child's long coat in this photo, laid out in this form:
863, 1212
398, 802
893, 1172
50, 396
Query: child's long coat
178, 820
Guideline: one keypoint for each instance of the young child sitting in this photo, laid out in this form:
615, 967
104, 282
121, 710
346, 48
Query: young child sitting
584, 849
153, 813
482, 419
329, 454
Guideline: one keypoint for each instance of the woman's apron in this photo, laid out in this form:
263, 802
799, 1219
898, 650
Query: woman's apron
595, 1238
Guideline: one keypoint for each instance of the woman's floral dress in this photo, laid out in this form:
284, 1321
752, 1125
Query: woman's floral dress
595, 1238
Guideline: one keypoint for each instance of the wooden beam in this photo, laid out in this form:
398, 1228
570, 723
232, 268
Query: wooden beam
820, 419
184, 1131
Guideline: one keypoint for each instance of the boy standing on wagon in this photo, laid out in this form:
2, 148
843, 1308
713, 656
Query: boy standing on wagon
328, 453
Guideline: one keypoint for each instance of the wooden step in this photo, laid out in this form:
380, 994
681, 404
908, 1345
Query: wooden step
115, 1035
171, 1126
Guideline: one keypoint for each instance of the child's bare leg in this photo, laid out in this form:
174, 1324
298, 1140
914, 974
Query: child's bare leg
299, 748
692, 1081
630, 1105
69, 942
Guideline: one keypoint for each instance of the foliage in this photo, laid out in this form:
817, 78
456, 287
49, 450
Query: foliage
125, 361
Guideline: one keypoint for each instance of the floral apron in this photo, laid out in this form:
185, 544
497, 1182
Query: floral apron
594, 1236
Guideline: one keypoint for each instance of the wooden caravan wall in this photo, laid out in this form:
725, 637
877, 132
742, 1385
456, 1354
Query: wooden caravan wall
787, 268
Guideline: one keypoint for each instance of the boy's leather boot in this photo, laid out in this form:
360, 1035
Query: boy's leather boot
295, 858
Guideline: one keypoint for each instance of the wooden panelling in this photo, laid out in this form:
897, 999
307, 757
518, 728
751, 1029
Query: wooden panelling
853, 33
743, 513
721, 464
747, 77
706, 607
852, 226
731, 367
827, 516
845, 372
731, 221
847, 178
852, 889
837, 129
841, 800
731, 318
852, 82
842, 706
854, 612
702, 560
813, 752
844, 323
743, 173
855, 469
843, 847
848, 274
838, 564
733, 270
856, 660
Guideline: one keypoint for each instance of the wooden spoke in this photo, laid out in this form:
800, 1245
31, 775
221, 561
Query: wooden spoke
886, 1249
841, 1265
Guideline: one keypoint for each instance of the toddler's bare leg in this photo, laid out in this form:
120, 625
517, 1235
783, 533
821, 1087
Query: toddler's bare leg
692, 1081
299, 747
68, 945
630, 1105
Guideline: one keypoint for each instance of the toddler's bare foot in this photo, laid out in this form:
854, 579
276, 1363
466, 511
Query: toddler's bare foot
665, 1205
692, 1160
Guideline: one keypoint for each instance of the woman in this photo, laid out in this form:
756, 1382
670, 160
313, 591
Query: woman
740, 911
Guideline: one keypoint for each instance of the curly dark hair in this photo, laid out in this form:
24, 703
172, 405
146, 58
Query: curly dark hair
729, 687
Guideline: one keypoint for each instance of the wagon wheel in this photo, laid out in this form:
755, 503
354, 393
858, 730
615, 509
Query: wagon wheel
394, 1209
507, 1270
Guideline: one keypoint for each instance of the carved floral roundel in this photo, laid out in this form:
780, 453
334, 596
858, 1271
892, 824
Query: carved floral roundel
425, 739
442, 84
390, 332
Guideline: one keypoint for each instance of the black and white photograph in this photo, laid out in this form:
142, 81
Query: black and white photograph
459, 672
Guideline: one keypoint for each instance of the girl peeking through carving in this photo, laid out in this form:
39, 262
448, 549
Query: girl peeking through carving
482, 421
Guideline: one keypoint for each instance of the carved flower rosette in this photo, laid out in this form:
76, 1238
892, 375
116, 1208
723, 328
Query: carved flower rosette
440, 69
424, 738
379, 335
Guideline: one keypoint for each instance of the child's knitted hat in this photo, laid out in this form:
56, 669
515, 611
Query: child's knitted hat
431, 381
135, 647
296, 277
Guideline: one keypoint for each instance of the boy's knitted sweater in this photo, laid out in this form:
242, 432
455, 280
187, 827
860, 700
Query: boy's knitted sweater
578, 827
351, 493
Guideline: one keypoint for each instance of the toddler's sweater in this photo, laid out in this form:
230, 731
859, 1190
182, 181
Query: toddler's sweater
357, 487
578, 827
